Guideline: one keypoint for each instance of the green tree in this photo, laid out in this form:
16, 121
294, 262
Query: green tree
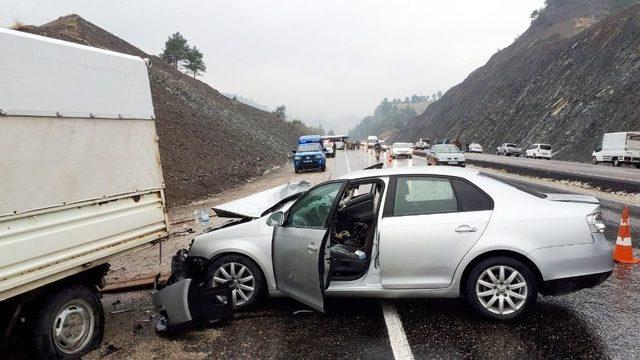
193, 61
281, 112
175, 49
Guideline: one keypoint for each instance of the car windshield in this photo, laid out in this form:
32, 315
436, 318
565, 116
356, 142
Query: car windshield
445, 149
545, 147
309, 147
512, 145
401, 145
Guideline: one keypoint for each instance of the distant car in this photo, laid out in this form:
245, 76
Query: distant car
474, 148
423, 144
327, 145
445, 154
310, 154
400, 232
383, 145
401, 150
508, 149
539, 151
371, 141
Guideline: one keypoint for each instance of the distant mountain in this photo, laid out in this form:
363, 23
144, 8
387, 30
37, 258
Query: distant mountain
208, 142
390, 116
573, 75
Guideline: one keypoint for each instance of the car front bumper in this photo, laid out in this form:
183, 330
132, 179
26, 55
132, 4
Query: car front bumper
183, 301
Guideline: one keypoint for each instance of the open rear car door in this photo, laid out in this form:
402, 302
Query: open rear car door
300, 254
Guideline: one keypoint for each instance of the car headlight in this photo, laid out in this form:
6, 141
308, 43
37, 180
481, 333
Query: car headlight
318, 156
596, 224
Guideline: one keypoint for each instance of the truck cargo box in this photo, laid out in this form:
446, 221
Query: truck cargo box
80, 174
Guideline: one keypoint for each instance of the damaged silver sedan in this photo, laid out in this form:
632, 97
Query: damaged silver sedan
403, 232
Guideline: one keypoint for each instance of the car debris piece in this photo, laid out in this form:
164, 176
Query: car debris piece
184, 303
114, 312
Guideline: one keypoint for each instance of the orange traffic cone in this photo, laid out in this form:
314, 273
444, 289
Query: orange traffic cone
389, 158
623, 252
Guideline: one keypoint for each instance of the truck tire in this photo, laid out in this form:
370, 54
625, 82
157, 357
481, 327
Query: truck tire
76, 312
615, 162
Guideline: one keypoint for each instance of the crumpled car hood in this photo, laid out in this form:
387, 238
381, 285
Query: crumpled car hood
256, 205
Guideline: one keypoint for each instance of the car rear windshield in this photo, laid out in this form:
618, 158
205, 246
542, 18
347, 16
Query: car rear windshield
401, 145
309, 147
545, 147
512, 145
518, 185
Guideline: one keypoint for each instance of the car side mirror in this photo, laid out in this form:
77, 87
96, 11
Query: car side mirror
276, 219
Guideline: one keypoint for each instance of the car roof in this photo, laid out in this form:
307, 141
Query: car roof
412, 170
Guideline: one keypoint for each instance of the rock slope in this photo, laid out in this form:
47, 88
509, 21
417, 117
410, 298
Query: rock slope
572, 76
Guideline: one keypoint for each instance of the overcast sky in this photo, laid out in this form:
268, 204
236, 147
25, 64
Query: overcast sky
322, 58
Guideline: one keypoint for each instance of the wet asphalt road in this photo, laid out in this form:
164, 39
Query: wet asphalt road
597, 323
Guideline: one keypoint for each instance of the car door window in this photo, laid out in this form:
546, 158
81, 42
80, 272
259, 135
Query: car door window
312, 210
470, 197
423, 195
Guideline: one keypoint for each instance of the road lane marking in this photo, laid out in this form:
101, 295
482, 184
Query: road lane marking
346, 158
397, 337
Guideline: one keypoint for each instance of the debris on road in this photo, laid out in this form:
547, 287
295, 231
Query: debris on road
115, 312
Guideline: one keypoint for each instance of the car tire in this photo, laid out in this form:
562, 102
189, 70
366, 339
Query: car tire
257, 283
525, 296
638, 166
535, 156
594, 161
615, 162
72, 303
323, 168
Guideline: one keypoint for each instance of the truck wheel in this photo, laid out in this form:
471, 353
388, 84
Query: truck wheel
67, 323
501, 288
594, 161
615, 162
323, 168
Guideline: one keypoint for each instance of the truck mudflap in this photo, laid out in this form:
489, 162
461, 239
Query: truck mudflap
184, 303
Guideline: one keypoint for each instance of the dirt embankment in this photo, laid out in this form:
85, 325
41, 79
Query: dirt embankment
208, 142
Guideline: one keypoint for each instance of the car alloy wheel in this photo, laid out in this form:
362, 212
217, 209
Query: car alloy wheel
502, 290
243, 283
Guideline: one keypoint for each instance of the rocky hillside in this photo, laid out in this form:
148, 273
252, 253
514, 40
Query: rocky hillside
208, 142
573, 75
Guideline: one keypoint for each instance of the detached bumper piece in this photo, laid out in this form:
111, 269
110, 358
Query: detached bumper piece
185, 303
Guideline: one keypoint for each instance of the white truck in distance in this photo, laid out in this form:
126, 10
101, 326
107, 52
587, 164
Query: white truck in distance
618, 148
81, 184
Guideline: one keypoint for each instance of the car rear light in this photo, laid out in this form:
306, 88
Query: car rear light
596, 224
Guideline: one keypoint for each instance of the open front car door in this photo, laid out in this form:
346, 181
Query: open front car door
300, 256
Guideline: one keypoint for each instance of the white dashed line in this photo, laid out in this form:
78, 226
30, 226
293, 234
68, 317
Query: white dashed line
347, 160
397, 338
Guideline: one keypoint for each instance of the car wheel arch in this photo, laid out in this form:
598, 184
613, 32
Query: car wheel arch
499, 253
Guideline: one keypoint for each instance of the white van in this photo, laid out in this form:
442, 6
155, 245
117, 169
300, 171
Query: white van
81, 184
618, 148
371, 140
539, 151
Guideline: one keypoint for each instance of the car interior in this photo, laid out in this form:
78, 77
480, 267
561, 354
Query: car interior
352, 230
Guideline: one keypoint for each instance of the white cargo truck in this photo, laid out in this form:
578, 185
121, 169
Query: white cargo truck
80, 184
618, 148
